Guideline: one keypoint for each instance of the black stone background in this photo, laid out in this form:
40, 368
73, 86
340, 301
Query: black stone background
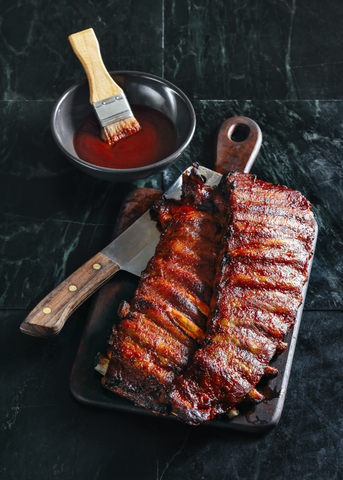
278, 62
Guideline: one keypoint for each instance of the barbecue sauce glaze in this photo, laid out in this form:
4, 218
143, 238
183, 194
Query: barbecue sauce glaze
156, 140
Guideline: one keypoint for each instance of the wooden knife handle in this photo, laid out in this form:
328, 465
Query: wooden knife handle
238, 143
101, 84
49, 316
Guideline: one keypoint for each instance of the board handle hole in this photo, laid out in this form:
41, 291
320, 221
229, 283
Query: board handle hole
239, 132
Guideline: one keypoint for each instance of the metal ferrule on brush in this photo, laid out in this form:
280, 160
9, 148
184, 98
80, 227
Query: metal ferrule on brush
112, 109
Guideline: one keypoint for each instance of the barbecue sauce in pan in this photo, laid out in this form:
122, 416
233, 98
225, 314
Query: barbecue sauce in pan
156, 140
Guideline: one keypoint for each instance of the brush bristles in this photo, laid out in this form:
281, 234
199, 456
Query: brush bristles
118, 130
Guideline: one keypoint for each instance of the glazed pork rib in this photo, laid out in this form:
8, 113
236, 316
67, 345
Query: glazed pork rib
261, 270
162, 327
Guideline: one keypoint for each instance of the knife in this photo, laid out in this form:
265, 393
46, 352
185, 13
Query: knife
132, 250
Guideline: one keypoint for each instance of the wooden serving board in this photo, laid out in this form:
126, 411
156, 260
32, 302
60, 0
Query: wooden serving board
85, 382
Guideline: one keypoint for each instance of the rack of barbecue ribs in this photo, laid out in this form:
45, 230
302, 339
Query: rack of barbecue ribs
217, 299
166, 320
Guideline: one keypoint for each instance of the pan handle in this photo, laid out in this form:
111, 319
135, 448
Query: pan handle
49, 316
238, 143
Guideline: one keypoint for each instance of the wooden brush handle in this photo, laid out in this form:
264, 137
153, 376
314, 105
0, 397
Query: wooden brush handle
101, 84
49, 316
237, 155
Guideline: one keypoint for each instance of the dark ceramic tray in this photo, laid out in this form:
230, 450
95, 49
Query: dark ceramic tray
85, 382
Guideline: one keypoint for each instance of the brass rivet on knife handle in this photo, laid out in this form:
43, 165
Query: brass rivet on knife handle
238, 143
49, 316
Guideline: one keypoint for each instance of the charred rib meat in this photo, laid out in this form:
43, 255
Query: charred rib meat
258, 288
162, 327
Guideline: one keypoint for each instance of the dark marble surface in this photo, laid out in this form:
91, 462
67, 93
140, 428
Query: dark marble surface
278, 62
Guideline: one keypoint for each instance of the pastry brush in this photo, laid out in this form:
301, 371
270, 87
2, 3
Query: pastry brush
108, 99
